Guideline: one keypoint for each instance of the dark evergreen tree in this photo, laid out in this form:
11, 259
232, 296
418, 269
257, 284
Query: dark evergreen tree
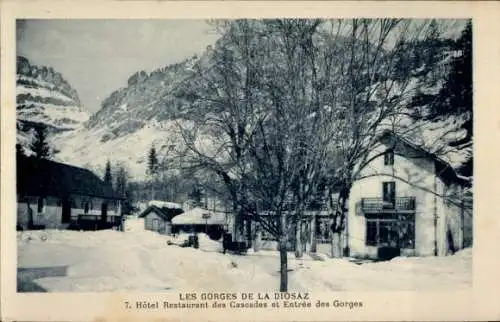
121, 180
127, 207
153, 165
153, 169
196, 195
455, 97
40, 146
108, 179
457, 92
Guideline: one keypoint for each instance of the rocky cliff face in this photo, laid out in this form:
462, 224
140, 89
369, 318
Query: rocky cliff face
44, 97
148, 97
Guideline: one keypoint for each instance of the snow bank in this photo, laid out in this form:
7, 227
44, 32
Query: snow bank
426, 273
133, 224
401, 274
143, 261
177, 239
209, 245
113, 261
204, 242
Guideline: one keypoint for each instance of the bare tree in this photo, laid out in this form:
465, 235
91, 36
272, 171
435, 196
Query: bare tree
365, 86
282, 108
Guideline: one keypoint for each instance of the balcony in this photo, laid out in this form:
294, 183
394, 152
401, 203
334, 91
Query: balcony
404, 204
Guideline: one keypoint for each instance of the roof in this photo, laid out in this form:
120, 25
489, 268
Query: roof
199, 216
164, 212
165, 204
50, 178
443, 169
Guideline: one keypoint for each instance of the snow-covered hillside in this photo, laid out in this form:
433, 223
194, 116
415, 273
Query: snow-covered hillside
96, 262
88, 147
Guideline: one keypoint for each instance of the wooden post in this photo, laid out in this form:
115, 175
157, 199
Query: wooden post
462, 216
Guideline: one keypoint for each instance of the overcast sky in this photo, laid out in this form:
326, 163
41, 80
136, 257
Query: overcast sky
97, 56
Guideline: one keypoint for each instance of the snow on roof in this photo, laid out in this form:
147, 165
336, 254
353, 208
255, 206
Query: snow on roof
164, 204
199, 216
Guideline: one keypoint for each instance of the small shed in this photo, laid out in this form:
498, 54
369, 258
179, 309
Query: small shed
158, 216
199, 220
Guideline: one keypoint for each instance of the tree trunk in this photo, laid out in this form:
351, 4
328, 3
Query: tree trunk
152, 190
283, 240
336, 245
239, 226
257, 244
283, 265
339, 223
306, 236
248, 229
30, 217
298, 239
312, 237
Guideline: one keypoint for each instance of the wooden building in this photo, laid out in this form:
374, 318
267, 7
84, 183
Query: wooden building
158, 216
57, 195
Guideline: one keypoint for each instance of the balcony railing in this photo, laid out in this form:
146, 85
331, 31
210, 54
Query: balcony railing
379, 205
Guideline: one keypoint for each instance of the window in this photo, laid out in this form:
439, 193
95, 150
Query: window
389, 194
398, 231
41, 204
389, 157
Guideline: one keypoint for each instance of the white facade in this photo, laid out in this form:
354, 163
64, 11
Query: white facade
438, 224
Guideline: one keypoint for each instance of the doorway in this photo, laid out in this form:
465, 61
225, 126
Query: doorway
66, 210
104, 212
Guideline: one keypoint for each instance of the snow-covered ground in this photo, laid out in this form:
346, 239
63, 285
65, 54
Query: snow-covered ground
143, 261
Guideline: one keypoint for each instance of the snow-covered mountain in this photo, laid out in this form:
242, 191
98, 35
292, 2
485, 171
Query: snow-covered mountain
44, 97
130, 121
146, 112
